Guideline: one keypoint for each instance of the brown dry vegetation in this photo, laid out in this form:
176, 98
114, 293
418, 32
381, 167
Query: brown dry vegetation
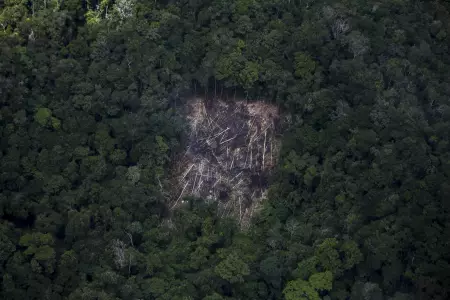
230, 150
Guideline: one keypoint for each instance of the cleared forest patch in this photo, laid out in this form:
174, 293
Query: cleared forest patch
231, 148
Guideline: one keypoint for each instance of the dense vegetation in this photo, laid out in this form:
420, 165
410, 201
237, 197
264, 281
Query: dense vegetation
89, 123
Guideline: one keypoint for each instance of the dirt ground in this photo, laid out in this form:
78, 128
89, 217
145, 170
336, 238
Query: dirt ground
231, 149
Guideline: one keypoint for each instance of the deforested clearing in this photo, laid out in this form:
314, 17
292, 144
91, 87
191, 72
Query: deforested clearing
231, 148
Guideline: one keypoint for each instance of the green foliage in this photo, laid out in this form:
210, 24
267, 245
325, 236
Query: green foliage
249, 74
322, 281
43, 116
103, 142
92, 125
7, 247
214, 296
37, 239
307, 267
300, 289
56, 124
242, 6
42, 253
327, 255
12, 13
352, 254
232, 268
304, 65
118, 156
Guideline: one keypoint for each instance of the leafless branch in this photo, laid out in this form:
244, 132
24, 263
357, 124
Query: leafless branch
130, 237
228, 142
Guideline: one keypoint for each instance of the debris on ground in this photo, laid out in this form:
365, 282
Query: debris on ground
231, 148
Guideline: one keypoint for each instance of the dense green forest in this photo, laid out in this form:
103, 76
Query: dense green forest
90, 100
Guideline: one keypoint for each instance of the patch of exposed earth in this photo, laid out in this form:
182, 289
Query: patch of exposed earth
231, 149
